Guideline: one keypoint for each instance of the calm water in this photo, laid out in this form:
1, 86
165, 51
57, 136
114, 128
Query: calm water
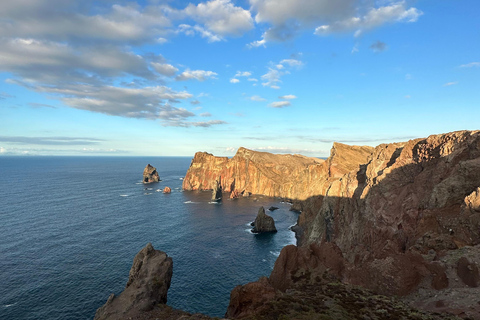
70, 227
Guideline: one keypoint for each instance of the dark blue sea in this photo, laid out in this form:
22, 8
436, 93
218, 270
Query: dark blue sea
70, 227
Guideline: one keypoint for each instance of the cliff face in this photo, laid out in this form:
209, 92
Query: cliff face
286, 176
384, 218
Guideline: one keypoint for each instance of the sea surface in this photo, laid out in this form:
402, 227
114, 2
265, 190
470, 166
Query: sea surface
71, 226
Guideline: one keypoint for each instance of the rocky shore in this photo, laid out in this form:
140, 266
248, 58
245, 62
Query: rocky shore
398, 220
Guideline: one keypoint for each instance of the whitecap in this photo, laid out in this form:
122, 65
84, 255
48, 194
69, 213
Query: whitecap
190, 201
249, 230
158, 190
124, 195
9, 305
275, 253
181, 178
264, 260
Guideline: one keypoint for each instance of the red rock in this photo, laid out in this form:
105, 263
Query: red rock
167, 190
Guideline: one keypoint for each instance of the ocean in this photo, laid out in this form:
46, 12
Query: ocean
71, 226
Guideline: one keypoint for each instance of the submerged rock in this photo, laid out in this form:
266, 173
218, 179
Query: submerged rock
263, 222
150, 174
147, 286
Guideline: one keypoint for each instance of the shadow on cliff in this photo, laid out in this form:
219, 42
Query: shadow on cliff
390, 230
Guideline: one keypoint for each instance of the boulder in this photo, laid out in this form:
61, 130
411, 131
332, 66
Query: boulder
150, 174
263, 222
167, 190
147, 286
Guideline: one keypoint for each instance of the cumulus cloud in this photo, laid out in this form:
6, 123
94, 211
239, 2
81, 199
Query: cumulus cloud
288, 97
280, 104
164, 69
375, 17
234, 80
378, 46
200, 75
221, 17
470, 65
204, 33
288, 17
257, 98
290, 62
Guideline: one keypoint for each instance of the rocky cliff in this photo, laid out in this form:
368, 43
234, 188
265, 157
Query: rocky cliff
396, 219
150, 174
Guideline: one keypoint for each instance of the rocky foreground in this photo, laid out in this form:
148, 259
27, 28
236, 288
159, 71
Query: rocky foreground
400, 219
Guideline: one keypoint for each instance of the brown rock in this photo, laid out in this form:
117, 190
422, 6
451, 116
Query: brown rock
263, 223
150, 174
147, 286
249, 299
468, 272
217, 190
167, 190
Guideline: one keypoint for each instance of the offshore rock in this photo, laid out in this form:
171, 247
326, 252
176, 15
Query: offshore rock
167, 190
147, 286
217, 191
150, 174
263, 223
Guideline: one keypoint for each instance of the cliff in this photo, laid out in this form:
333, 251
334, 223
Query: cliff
397, 219
286, 176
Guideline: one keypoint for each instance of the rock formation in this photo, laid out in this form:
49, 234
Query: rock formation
167, 190
217, 190
147, 286
150, 174
263, 223
386, 218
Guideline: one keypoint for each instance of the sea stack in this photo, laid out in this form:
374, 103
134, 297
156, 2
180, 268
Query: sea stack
147, 286
150, 174
263, 223
217, 190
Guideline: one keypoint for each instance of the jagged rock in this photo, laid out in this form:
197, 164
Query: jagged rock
234, 194
150, 174
217, 190
147, 286
263, 223
272, 208
167, 190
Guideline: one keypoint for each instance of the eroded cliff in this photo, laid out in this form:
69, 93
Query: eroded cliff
386, 218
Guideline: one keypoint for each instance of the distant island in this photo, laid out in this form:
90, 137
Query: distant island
400, 219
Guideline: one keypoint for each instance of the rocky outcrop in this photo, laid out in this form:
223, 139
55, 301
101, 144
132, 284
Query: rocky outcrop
147, 286
150, 174
263, 223
167, 190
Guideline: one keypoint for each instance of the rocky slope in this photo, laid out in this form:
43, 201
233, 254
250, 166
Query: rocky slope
385, 218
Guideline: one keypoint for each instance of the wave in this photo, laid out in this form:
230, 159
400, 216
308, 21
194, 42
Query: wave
9, 305
214, 202
147, 193
275, 253
190, 201
124, 195
158, 190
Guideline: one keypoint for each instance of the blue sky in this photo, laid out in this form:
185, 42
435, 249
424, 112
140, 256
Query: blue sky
169, 78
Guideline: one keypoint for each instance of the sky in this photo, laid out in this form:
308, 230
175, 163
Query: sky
170, 78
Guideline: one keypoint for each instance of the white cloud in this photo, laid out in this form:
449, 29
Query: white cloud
257, 98
221, 17
450, 84
200, 75
252, 79
291, 62
164, 69
191, 31
243, 74
271, 78
375, 17
470, 65
258, 43
288, 97
234, 80
280, 104
205, 114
